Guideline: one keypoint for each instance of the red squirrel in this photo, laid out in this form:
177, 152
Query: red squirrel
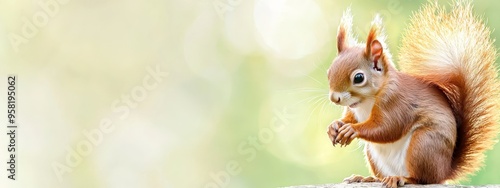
432, 121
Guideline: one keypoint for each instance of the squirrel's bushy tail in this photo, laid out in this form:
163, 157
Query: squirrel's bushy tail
453, 50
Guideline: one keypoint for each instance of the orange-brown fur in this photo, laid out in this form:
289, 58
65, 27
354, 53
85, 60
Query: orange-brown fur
444, 102
472, 89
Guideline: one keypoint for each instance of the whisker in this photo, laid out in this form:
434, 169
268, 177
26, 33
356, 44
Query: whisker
325, 104
305, 89
309, 88
308, 99
317, 81
323, 85
359, 143
314, 109
310, 91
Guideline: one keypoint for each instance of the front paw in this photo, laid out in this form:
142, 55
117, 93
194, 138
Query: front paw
333, 130
346, 134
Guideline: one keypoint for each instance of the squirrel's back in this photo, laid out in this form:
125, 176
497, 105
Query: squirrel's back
453, 50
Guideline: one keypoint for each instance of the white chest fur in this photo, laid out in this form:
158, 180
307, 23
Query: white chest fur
363, 110
389, 159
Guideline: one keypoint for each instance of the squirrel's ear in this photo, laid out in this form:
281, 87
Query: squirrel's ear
344, 36
341, 44
373, 52
374, 48
375, 31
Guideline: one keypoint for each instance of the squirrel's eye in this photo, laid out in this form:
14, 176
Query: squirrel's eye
359, 78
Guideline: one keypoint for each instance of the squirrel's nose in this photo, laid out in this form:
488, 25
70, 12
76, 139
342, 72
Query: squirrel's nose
335, 97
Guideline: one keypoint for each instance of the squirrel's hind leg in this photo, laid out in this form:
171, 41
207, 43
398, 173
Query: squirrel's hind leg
430, 154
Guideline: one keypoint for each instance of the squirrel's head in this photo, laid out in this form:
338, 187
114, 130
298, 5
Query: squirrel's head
359, 70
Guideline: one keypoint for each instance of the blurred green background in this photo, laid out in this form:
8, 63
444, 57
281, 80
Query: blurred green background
244, 103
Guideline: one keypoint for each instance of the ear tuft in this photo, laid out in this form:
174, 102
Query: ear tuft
344, 34
375, 45
374, 34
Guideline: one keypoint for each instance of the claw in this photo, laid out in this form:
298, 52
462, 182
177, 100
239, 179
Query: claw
333, 131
